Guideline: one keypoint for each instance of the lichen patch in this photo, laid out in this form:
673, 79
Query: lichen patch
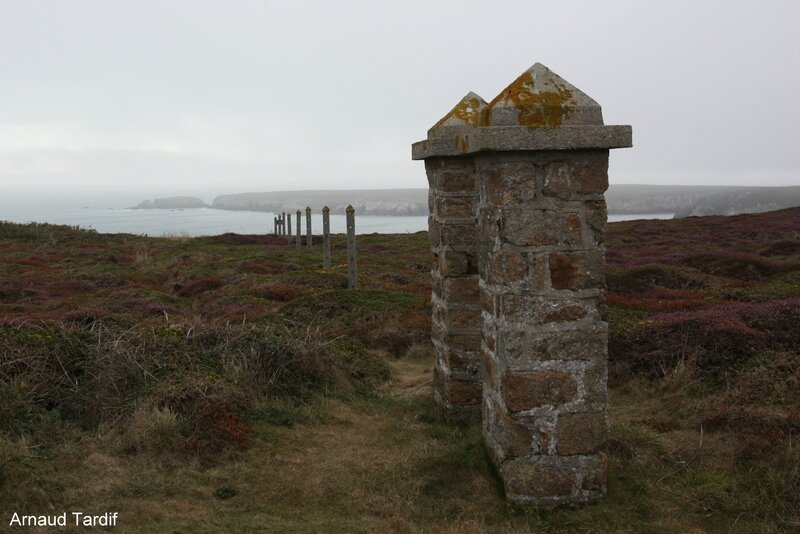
535, 107
465, 113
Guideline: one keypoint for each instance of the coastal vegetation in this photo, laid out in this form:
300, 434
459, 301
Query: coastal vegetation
231, 383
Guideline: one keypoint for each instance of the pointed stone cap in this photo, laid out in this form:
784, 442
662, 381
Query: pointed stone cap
538, 111
325, 208
350, 209
308, 208
540, 98
464, 116
298, 212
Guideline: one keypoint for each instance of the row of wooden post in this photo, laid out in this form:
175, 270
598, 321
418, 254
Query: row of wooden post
283, 226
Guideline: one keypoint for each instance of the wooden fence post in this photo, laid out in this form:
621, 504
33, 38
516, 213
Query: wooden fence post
352, 260
298, 230
326, 237
308, 228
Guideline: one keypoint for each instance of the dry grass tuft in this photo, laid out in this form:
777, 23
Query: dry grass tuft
152, 429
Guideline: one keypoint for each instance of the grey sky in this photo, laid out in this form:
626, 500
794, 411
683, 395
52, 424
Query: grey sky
235, 96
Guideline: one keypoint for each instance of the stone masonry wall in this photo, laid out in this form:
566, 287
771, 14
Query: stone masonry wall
541, 225
455, 301
517, 228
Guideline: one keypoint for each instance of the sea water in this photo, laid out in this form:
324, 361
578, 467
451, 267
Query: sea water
108, 214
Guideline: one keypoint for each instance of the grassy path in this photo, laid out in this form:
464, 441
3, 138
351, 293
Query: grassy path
382, 464
390, 464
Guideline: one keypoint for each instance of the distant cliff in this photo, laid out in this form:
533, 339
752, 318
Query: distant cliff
685, 201
641, 199
622, 199
750, 200
366, 202
170, 203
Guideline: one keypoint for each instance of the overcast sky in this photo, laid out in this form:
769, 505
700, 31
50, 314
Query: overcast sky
256, 96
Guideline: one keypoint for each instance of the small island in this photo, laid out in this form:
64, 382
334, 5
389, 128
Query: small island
170, 203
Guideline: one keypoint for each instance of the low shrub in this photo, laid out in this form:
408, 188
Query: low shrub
718, 336
199, 285
783, 247
659, 300
47, 234
279, 292
644, 278
736, 265
214, 426
151, 379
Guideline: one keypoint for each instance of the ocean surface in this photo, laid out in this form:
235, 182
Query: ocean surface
110, 215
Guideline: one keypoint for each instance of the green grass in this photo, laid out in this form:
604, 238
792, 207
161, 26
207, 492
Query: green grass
123, 358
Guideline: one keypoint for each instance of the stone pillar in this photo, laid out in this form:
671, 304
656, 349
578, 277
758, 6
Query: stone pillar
540, 152
299, 237
283, 223
326, 237
455, 300
309, 242
289, 226
352, 260
274, 226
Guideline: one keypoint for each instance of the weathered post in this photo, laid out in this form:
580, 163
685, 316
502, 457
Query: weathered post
326, 237
274, 226
352, 260
308, 228
299, 245
283, 223
540, 154
289, 226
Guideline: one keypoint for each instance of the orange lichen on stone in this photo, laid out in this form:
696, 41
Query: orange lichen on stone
535, 109
467, 111
465, 114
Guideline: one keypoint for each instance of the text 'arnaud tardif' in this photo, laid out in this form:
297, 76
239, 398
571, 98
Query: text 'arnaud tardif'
78, 519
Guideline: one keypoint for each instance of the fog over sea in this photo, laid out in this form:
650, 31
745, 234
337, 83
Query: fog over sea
110, 214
